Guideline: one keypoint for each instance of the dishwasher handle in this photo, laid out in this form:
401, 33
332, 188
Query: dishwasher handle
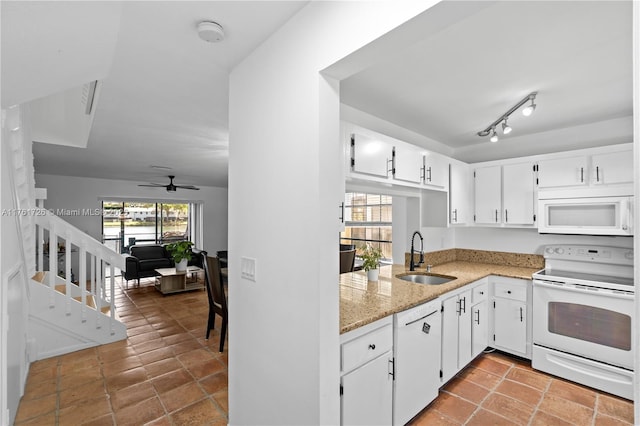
421, 318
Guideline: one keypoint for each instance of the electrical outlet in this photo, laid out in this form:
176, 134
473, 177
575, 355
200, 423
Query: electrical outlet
248, 268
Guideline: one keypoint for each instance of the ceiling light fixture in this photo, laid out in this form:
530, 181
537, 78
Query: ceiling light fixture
494, 135
210, 31
506, 129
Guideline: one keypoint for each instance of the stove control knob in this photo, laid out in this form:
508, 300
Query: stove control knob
559, 250
549, 250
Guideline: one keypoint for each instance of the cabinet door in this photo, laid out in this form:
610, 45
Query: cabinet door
479, 328
449, 355
367, 394
510, 324
487, 195
370, 156
518, 193
464, 330
569, 171
436, 170
611, 168
458, 193
408, 164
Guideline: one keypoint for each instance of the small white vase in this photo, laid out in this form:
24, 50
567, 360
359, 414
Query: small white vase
372, 274
182, 265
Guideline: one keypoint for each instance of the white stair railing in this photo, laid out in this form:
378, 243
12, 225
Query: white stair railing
64, 241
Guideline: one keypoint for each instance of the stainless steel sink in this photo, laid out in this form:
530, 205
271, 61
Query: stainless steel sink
425, 279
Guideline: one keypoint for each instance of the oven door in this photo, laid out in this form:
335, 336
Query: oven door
590, 322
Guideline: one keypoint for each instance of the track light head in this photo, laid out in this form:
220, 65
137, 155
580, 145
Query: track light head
494, 135
506, 129
528, 110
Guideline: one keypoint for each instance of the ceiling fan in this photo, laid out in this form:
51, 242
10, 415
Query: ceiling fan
171, 187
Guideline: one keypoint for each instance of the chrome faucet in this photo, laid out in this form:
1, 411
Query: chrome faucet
412, 264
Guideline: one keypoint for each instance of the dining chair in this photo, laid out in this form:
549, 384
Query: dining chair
347, 260
216, 295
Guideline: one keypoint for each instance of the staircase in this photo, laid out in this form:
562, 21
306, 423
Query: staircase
63, 315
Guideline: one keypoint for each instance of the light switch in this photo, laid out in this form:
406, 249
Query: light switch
248, 268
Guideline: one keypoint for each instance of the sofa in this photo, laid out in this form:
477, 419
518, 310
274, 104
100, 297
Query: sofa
143, 260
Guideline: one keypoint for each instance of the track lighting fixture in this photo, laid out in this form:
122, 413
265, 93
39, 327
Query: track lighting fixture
506, 129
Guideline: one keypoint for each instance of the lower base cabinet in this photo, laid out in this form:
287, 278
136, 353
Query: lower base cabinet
511, 316
366, 385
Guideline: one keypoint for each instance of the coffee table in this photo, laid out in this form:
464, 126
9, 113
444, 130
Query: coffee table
170, 281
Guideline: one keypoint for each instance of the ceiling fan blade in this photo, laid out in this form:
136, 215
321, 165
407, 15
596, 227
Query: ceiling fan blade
187, 187
154, 185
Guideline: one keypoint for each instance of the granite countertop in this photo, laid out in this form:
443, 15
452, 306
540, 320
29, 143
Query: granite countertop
363, 302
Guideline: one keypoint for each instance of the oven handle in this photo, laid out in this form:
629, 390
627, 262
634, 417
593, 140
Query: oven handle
599, 292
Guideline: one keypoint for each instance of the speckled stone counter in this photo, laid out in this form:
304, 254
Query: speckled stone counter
363, 302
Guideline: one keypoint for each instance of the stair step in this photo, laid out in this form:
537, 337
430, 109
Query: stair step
40, 276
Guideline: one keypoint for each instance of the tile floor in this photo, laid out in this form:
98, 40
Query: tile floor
165, 373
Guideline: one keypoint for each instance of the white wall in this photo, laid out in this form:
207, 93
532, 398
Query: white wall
285, 151
71, 192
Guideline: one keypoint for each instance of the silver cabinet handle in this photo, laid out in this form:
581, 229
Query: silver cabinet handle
506, 216
496, 215
478, 317
521, 318
341, 217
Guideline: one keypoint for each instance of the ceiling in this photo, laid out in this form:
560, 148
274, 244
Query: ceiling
164, 94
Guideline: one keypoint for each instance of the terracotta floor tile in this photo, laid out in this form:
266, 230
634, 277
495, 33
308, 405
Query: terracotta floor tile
161, 421
529, 378
202, 412
566, 410
40, 389
117, 354
144, 337
215, 383
126, 379
106, 420
43, 364
44, 420
491, 365
140, 413
573, 392
453, 407
540, 418
431, 417
68, 368
602, 420
177, 338
182, 396
72, 396
485, 418
171, 380
516, 411
79, 377
132, 395
43, 374
206, 368
161, 367
141, 329
466, 390
613, 406
222, 399
186, 346
85, 411
118, 366
156, 355
149, 346
31, 408
171, 331
520, 392
194, 357
480, 377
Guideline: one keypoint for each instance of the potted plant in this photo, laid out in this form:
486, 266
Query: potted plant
180, 252
371, 260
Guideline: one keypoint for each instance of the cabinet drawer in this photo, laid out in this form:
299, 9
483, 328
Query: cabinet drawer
510, 291
364, 348
479, 293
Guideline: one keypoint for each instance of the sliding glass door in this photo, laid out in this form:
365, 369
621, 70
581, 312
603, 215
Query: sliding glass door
125, 223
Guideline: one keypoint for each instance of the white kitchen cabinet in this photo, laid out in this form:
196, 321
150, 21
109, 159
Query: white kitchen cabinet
518, 194
408, 164
436, 170
366, 386
459, 193
479, 319
511, 300
370, 156
561, 172
488, 200
456, 333
612, 168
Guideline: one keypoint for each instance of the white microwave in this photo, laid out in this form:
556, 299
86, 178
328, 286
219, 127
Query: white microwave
590, 216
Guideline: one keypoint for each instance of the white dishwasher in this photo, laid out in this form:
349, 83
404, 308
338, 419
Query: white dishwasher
416, 348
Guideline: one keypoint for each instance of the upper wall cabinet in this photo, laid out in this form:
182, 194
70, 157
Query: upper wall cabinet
436, 170
606, 168
505, 194
459, 210
370, 156
408, 164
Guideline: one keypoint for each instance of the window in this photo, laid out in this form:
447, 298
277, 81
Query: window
368, 221
127, 223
